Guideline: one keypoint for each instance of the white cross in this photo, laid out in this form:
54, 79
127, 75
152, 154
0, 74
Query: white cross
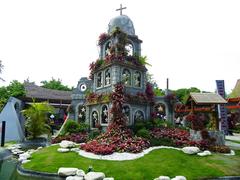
108, 80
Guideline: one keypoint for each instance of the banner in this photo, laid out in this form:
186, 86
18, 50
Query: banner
222, 112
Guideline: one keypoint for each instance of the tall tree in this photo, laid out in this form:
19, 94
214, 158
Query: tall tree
55, 84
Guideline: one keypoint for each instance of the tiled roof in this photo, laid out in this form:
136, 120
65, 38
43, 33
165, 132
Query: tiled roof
207, 98
37, 92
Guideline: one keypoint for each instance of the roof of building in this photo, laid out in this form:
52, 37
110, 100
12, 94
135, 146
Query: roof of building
124, 23
236, 91
207, 98
37, 92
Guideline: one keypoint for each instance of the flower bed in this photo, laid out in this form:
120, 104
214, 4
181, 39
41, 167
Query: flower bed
118, 137
76, 137
116, 140
181, 138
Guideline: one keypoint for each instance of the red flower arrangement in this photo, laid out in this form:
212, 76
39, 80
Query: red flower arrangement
76, 137
117, 138
102, 37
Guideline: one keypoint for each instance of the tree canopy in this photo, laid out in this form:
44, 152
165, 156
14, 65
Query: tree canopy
14, 89
183, 93
55, 84
236, 91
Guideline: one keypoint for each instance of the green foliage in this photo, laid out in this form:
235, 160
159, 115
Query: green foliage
158, 92
83, 127
55, 84
72, 126
138, 125
36, 123
161, 123
93, 134
162, 142
183, 94
236, 91
144, 133
143, 60
14, 89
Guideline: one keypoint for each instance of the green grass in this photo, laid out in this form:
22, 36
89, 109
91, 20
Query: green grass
235, 141
159, 162
10, 143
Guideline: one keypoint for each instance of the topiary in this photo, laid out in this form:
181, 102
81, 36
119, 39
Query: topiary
71, 126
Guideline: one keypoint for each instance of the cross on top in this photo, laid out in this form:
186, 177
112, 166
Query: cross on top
121, 8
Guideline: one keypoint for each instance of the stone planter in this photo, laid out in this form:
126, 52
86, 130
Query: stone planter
218, 135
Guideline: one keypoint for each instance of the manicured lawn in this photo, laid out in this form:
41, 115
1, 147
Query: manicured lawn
235, 141
158, 162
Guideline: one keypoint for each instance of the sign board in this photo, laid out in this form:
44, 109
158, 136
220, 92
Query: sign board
222, 112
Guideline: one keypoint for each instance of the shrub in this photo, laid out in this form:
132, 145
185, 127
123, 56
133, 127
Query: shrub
93, 134
71, 126
36, 123
162, 142
144, 133
76, 137
138, 125
163, 124
83, 127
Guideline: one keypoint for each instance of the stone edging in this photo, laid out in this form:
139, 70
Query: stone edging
30, 173
123, 156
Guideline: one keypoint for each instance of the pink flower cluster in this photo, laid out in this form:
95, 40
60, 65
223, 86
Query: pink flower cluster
77, 138
116, 140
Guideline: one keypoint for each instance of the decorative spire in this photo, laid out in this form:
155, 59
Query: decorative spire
121, 8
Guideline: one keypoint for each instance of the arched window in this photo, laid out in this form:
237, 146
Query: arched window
129, 49
95, 119
81, 113
107, 77
127, 113
107, 48
160, 110
137, 79
99, 79
126, 77
138, 116
104, 114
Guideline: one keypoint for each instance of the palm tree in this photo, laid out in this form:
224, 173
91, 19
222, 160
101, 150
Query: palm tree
36, 123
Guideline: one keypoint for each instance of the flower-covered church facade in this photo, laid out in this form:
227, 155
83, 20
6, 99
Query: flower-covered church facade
119, 61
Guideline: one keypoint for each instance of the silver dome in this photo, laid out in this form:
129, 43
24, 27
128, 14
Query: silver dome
123, 22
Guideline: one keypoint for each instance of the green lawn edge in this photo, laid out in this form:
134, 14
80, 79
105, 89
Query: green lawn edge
168, 162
